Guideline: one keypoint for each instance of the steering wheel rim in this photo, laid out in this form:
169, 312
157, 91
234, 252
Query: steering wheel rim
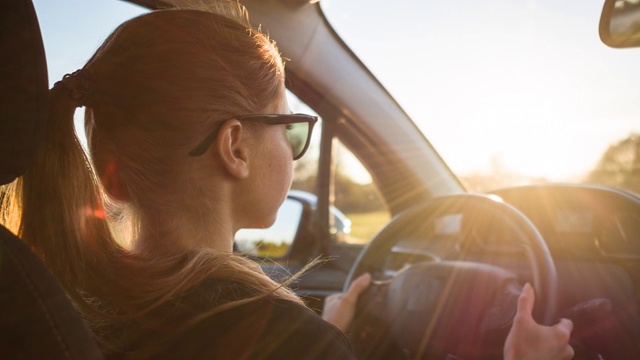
540, 262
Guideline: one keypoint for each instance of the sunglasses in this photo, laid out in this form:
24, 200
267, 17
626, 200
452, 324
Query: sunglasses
299, 127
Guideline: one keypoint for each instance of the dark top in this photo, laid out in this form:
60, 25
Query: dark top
269, 328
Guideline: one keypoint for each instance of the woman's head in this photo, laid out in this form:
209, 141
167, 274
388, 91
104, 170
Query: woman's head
160, 82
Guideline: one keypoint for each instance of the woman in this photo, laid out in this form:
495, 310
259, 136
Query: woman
190, 139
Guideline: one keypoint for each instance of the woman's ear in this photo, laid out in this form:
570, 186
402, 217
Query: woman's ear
232, 146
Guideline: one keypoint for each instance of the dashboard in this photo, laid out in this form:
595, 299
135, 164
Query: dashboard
582, 222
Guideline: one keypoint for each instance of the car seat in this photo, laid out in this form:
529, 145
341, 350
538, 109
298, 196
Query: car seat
37, 320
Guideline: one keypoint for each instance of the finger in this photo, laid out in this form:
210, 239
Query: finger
566, 326
569, 353
359, 285
526, 301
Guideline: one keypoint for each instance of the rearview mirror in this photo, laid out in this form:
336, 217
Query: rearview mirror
620, 23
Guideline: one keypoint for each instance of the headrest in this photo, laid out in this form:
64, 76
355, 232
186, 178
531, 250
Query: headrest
23, 88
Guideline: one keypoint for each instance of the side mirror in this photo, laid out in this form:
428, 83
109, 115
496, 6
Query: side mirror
273, 242
620, 23
294, 220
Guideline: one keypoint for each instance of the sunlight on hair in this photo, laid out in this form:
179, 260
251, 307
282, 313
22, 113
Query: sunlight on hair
110, 181
230, 9
97, 213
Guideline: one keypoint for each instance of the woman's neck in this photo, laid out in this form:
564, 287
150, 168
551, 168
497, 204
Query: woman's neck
180, 231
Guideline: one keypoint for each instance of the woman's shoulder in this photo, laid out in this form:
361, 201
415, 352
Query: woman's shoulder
266, 328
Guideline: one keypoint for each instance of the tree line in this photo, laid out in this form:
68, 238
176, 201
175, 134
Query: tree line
619, 166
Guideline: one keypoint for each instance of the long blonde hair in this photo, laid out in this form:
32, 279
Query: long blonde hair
150, 91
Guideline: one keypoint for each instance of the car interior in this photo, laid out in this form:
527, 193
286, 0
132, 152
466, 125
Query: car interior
448, 265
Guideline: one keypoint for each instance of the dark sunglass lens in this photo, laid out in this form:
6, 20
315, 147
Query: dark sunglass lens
297, 134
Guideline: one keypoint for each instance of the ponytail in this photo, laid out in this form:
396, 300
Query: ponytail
62, 214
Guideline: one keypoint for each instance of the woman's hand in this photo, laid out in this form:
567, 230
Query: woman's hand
530, 340
339, 309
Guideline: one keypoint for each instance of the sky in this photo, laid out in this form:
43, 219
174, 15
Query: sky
69, 44
525, 86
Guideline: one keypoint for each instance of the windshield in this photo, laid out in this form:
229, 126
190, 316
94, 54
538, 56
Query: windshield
509, 92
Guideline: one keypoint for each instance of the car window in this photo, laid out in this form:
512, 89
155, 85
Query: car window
69, 44
357, 198
509, 92
275, 241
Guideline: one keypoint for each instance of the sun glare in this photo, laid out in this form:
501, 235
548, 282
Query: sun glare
522, 88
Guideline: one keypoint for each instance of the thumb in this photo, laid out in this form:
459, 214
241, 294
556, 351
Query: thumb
526, 301
565, 325
359, 285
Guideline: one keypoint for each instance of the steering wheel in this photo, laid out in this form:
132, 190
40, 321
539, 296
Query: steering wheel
449, 307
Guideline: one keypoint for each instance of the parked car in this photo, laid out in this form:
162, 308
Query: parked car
275, 241
449, 264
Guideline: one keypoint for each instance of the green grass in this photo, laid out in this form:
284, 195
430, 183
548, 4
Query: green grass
365, 225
